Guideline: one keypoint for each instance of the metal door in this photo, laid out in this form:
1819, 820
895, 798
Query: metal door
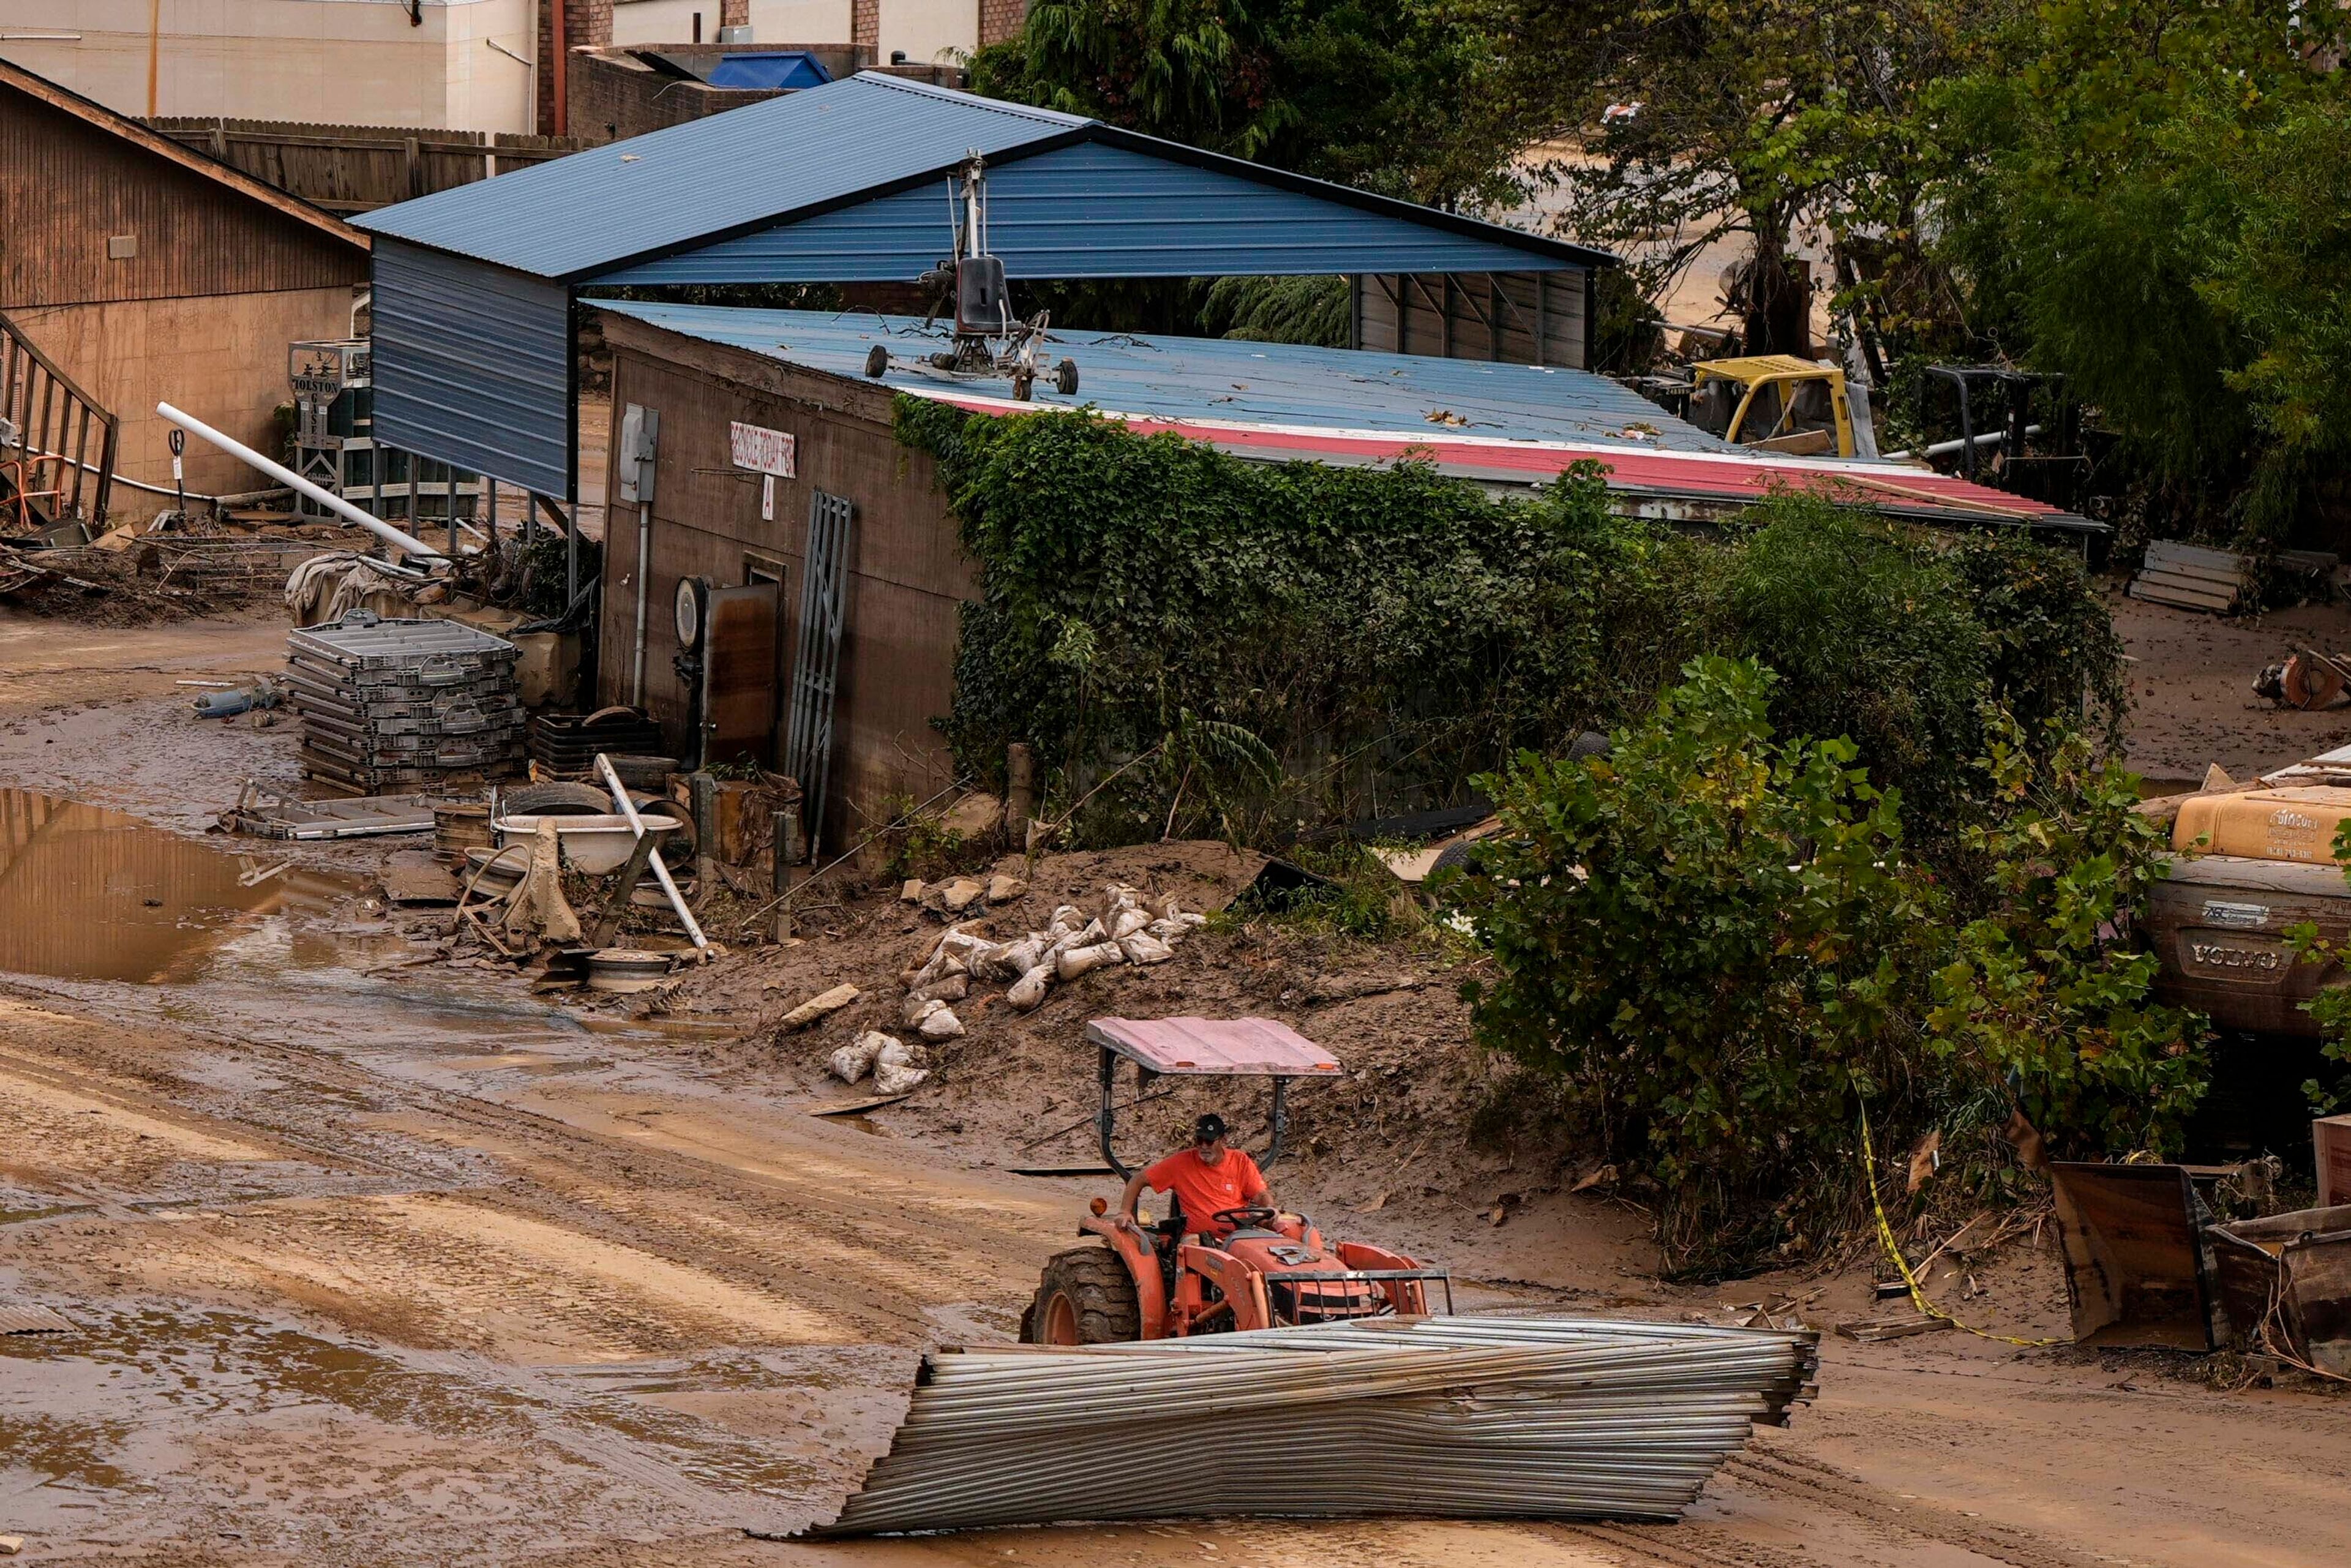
816, 669
738, 673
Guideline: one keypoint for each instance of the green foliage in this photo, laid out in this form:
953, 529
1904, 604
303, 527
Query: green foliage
1278, 309
1361, 899
1719, 946
2331, 1008
1386, 635
2151, 196
1391, 97
1705, 931
1873, 638
918, 843
2043, 994
2052, 652
1753, 121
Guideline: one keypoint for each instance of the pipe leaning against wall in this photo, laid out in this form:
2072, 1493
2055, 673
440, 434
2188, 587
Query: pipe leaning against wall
284, 475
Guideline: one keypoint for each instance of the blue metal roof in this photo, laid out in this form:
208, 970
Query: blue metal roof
1090, 210
1227, 380
705, 202
786, 69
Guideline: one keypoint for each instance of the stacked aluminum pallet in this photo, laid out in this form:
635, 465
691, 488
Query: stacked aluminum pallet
392, 707
1563, 1418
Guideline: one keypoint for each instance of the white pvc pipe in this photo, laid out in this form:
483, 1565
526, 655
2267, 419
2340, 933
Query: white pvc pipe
284, 475
1945, 448
676, 901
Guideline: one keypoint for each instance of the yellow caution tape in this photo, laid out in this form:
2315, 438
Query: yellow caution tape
1901, 1265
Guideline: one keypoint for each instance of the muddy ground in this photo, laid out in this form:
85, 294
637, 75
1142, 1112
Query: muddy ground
371, 1264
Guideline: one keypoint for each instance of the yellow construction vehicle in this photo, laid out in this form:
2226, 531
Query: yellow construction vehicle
1774, 403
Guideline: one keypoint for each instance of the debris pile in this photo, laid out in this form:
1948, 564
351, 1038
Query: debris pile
387, 706
1130, 929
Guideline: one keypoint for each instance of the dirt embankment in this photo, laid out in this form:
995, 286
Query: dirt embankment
1386, 1150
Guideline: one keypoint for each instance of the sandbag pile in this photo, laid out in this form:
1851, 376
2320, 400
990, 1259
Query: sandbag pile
1130, 929
1133, 928
896, 1066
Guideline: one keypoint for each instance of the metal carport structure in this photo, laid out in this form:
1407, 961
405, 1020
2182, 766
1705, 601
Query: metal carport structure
845, 183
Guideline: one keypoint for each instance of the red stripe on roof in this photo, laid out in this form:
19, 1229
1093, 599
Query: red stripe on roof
1729, 476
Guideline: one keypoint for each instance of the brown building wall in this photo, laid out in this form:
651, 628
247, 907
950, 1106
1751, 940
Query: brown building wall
1001, 19
907, 573
66, 188
612, 98
223, 360
865, 23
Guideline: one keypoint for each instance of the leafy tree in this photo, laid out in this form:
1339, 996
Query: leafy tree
1702, 120
2045, 999
1705, 931
1391, 97
2153, 200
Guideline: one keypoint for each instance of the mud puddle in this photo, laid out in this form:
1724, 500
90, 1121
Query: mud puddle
112, 907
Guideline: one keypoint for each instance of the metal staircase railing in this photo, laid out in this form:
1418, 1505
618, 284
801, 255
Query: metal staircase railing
45, 473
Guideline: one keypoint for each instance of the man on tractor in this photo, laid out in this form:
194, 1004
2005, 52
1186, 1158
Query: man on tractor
1216, 1185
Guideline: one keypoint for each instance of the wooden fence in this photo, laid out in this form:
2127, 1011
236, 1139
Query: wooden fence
352, 169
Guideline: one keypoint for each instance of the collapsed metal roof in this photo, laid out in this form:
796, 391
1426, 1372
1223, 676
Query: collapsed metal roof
1461, 1417
1070, 198
1500, 424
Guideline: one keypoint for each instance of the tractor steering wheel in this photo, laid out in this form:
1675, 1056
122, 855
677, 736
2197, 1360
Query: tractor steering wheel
1246, 1215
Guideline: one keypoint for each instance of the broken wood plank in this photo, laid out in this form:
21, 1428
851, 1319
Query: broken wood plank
852, 1107
1874, 1331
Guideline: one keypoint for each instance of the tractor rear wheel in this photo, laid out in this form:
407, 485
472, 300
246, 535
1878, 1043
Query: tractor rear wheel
1085, 1296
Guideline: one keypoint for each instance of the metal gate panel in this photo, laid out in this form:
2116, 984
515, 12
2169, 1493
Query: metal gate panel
816, 670
738, 673
473, 366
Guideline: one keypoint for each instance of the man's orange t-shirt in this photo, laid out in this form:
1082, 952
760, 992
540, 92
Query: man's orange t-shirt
1203, 1188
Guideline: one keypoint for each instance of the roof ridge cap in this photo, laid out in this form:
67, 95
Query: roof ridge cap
978, 100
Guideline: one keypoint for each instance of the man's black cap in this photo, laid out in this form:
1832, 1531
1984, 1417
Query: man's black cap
1209, 1128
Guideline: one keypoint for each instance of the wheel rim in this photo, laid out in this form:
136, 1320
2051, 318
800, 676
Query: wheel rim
1061, 1320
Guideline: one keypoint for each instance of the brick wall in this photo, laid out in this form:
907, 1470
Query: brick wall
612, 98
865, 23
734, 13
1001, 19
586, 24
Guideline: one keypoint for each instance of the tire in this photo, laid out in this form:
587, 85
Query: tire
558, 798
1085, 1296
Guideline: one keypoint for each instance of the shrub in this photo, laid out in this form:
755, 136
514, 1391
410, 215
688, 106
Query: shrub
1360, 642
2044, 996
1707, 932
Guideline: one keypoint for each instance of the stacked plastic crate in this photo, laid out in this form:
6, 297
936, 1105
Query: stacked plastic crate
404, 706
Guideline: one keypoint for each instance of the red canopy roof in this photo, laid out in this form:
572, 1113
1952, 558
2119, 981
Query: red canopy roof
1236, 1047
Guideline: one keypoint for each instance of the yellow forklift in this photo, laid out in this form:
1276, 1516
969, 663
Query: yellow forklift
1776, 402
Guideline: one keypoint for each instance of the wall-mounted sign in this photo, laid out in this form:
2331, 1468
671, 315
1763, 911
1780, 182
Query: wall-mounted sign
761, 450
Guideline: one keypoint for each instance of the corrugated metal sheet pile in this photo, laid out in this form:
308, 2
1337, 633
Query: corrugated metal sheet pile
395, 704
1464, 1417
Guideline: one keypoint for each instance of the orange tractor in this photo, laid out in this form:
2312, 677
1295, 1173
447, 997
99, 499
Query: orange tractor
1240, 1269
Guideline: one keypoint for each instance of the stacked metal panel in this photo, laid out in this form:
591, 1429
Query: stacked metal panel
389, 706
1572, 1418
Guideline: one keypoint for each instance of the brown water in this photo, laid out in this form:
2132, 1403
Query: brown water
87, 894
212, 934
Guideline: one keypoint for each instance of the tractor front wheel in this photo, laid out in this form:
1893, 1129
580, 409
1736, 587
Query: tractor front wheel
1085, 1296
